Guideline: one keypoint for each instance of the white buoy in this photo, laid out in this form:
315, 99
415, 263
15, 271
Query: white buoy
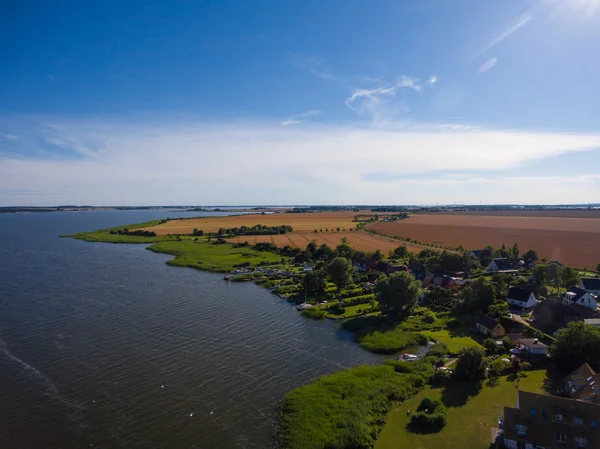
192, 414
211, 413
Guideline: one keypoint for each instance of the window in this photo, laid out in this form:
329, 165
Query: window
521, 430
544, 414
560, 437
594, 424
578, 421
521, 445
581, 442
558, 417
533, 412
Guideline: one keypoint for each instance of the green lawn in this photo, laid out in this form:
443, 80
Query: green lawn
188, 252
470, 418
351, 311
455, 340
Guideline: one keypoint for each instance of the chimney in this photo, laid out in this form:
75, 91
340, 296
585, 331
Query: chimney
535, 341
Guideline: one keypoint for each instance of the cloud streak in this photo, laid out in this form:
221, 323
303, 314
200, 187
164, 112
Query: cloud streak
512, 28
141, 163
487, 65
313, 64
299, 118
378, 103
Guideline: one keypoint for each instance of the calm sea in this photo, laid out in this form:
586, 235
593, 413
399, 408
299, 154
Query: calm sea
103, 345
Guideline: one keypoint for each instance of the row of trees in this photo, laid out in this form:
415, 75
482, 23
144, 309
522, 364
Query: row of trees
255, 230
137, 232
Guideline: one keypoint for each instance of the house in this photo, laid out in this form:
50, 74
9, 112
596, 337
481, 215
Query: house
576, 295
590, 285
533, 346
542, 421
476, 253
551, 315
592, 321
489, 326
521, 297
583, 384
500, 265
444, 281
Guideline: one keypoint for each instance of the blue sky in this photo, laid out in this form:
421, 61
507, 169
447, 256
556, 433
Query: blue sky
271, 102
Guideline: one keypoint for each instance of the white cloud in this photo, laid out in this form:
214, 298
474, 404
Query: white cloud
9, 136
314, 64
164, 161
407, 81
379, 103
487, 65
432, 79
295, 119
513, 27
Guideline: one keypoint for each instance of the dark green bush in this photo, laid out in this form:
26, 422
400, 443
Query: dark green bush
430, 416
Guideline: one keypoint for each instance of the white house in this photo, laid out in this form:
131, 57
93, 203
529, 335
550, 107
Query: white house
521, 297
590, 285
592, 321
533, 346
576, 295
500, 265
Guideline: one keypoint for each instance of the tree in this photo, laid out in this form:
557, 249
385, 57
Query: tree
514, 252
531, 254
471, 364
539, 273
490, 344
315, 283
325, 253
553, 274
498, 310
439, 297
575, 345
401, 252
485, 293
399, 293
340, 270
312, 247
487, 254
570, 277
344, 250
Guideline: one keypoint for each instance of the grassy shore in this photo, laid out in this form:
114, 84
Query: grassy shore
188, 251
471, 414
345, 409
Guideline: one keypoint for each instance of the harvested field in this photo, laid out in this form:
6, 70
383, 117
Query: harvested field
559, 213
358, 240
307, 222
573, 241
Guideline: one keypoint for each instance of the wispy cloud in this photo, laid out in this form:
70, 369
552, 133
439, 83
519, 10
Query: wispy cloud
308, 165
512, 28
432, 79
299, 118
379, 103
487, 65
314, 64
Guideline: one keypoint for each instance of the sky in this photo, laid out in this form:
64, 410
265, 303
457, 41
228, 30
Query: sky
299, 102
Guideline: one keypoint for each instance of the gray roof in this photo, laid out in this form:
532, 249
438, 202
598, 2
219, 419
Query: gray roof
578, 292
487, 321
591, 283
533, 343
519, 294
503, 264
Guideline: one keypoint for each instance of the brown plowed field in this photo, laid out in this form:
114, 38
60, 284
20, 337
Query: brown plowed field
573, 240
300, 222
303, 225
358, 240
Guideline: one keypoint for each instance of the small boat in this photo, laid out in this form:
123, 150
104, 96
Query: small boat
408, 357
227, 277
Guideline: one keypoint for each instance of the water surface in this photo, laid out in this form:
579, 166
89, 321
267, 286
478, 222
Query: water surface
103, 345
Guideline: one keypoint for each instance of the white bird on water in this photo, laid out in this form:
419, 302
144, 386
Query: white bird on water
192, 414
